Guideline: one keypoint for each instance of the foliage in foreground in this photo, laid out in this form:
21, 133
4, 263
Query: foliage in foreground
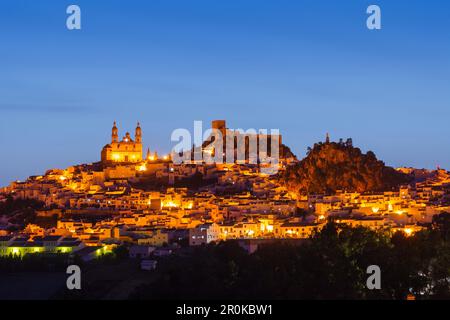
332, 265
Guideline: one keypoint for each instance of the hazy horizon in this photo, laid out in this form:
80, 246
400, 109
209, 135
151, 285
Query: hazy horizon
300, 155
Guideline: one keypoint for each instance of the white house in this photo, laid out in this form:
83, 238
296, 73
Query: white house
203, 234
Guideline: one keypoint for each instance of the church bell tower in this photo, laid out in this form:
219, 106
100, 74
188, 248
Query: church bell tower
114, 134
138, 134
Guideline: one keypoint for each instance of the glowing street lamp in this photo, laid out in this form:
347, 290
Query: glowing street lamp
408, 231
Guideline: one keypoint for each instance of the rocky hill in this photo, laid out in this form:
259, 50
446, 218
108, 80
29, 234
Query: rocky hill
332, 166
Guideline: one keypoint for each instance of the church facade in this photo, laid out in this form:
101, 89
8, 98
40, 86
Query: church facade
127, 150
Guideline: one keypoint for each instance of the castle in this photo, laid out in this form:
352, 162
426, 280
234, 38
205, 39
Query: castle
127, 150
242, 141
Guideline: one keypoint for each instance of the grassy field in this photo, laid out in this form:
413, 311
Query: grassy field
30, 285
103, 281
99, 281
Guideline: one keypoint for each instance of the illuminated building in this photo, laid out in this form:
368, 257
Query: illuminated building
127, 150
251, 145
11, 246
203, 234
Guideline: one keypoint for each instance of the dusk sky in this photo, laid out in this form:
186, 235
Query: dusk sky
304, 67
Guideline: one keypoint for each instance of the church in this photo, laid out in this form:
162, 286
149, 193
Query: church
127, 150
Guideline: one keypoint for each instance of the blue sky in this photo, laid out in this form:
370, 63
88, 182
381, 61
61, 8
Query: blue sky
306, 67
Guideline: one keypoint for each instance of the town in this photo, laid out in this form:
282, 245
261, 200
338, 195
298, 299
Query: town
155, 206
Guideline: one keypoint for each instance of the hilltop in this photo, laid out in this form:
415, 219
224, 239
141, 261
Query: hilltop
332, 166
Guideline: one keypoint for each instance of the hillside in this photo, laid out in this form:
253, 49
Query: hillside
332, 166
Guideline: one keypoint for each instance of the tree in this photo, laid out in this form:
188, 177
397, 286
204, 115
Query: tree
442, 223
349, 142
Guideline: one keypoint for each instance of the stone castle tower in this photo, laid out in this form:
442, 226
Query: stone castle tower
127, 150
